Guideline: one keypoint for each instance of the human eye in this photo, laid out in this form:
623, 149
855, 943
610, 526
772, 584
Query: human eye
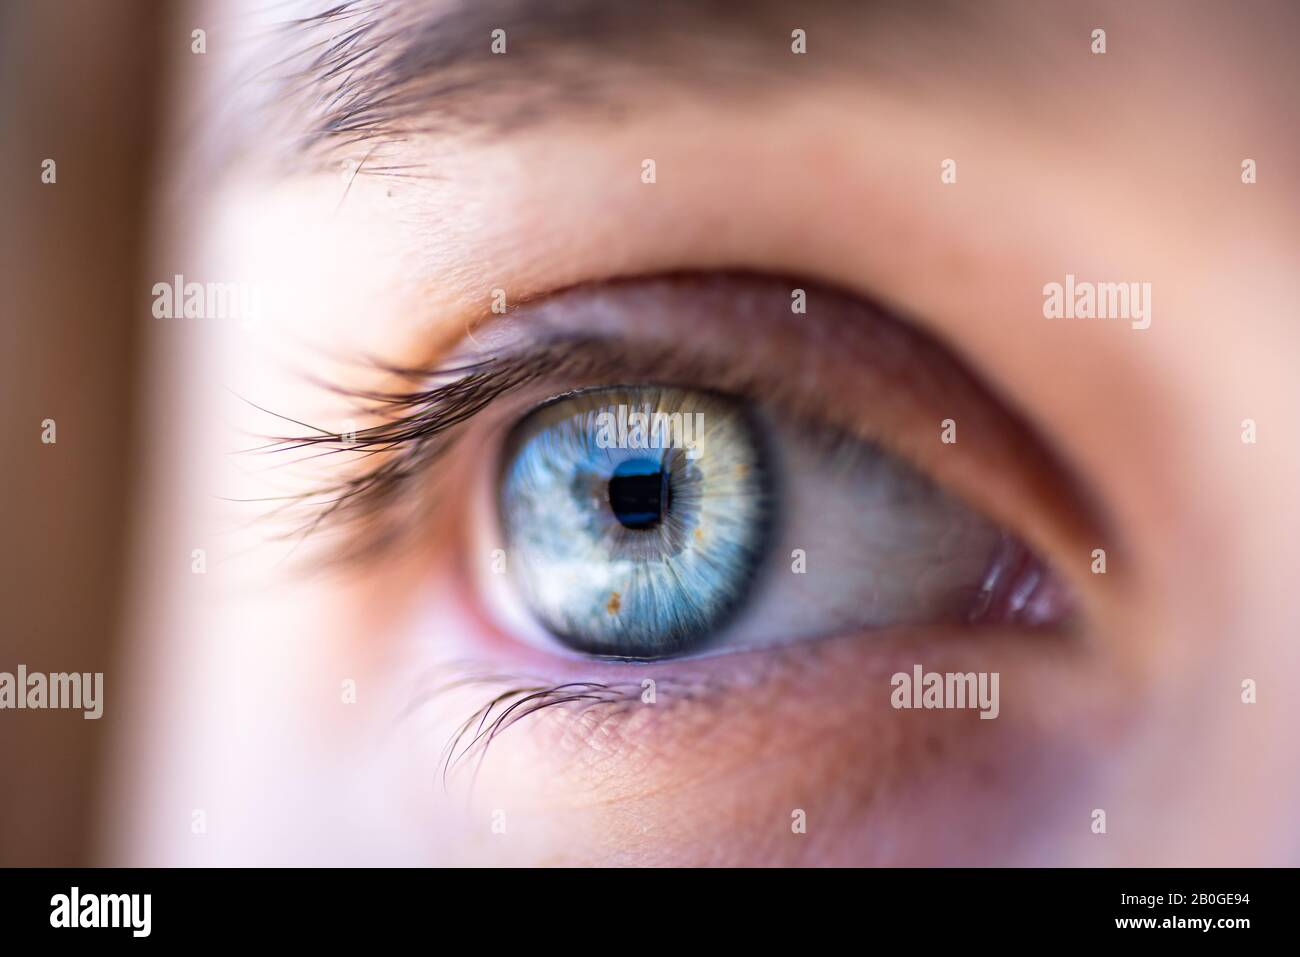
638, 489
652, 521
627, 541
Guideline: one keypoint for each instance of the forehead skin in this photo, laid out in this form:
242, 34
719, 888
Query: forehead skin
1123, 166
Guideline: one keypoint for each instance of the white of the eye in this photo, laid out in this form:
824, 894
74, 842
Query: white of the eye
881, 546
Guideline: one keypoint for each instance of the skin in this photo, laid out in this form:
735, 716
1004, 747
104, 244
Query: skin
1121, 167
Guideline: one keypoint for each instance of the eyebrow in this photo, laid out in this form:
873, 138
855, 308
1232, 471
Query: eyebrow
373, 72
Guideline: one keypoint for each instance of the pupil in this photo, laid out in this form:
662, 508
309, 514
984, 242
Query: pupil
639, 493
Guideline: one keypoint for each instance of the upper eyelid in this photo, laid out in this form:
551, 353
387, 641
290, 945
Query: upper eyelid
860, 353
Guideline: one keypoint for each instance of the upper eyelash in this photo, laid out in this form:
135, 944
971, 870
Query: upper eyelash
420, 421
419, 426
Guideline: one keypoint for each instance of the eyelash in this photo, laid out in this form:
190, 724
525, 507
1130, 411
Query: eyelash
508, 707
594, 703
419, 427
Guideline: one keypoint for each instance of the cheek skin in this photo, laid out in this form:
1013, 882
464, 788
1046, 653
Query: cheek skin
715, 769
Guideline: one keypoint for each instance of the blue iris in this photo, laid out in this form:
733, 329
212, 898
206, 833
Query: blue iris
636, 517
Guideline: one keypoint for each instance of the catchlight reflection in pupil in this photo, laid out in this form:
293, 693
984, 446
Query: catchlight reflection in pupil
634, 545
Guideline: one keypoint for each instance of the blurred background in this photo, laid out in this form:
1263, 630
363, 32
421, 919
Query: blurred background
79, 85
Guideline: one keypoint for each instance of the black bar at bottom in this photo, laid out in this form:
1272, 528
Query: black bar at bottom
509, 908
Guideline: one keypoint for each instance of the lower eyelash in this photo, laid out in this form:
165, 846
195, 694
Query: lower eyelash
514, 704
516, 698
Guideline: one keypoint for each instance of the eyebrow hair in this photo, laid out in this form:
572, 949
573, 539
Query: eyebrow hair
374, 72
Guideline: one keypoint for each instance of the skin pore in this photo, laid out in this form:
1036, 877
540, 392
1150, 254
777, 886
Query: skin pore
1119, 167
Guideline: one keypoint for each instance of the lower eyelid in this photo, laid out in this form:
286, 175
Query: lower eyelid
823, 708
